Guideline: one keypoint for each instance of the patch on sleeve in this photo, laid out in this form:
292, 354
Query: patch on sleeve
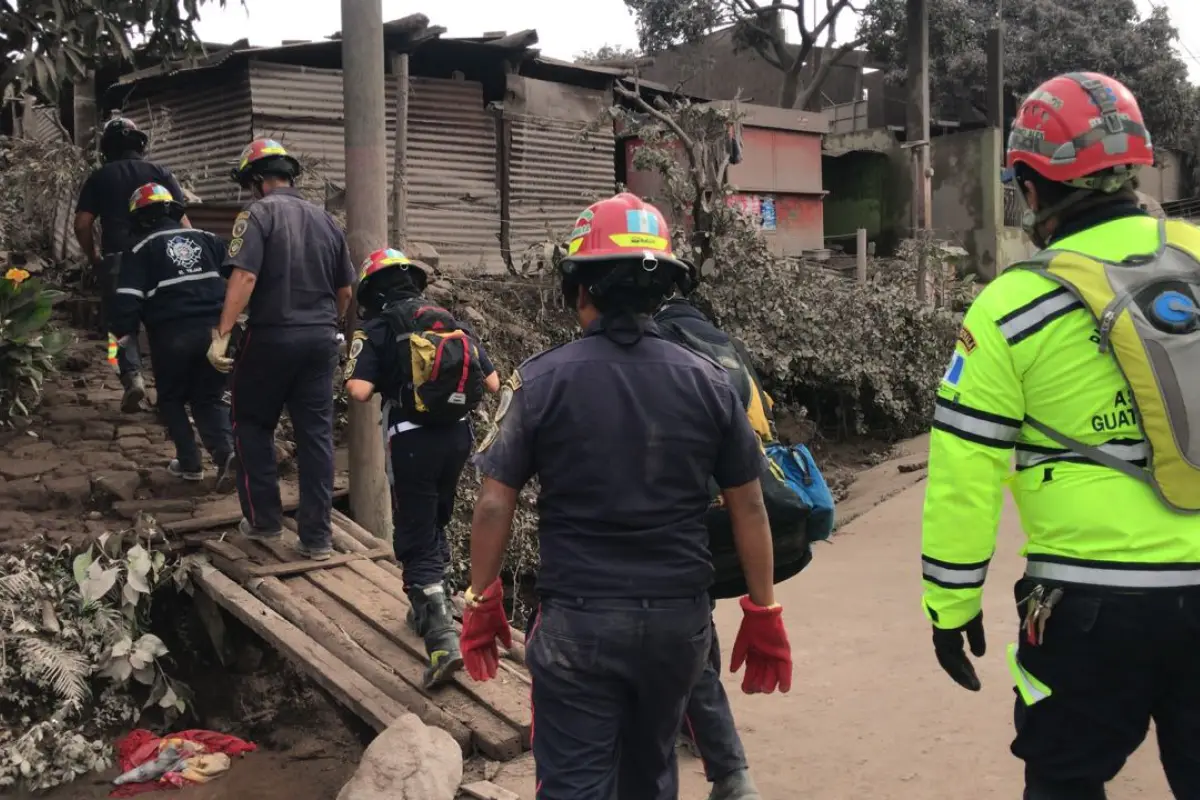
356, 347
235, 247
240, 223
967, 339
954, 372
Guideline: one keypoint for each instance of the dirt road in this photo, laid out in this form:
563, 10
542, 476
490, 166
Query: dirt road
870, 713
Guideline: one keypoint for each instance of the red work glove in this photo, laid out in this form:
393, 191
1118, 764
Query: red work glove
762, 645
483, 623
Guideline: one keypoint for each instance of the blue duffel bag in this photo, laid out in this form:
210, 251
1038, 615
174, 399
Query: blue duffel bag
800, 473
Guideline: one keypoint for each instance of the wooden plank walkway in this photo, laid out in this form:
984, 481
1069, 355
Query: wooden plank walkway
342, 622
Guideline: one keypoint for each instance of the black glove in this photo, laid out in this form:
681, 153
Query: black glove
948, 646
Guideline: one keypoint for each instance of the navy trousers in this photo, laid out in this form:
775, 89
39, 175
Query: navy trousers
709, 721
611, 679
185, 379
129, 359
292, 368
426, 465
1113, 661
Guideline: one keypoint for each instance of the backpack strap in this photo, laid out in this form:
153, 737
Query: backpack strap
1089, 451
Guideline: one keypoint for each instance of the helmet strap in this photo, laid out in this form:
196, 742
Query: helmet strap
1077, 202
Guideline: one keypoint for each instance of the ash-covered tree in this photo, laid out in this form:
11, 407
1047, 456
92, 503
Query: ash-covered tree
1042, 40
44, 42
608, 54
759, 26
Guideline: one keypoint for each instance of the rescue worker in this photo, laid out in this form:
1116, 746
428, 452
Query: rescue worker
624, 431
105, 197
289, 267
709, 729
1118, 568
171, 281
426, 457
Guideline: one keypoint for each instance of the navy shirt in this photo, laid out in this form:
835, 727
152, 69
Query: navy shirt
376, 357
171, 276
300, 257
624, 441
106, 194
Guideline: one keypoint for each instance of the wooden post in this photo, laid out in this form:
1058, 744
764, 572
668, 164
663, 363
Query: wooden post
917, 130
860, 255
366, 231
400, 77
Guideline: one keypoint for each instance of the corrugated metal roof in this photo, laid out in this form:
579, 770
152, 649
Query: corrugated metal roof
554, 174
454, 202
197, 130
44, 125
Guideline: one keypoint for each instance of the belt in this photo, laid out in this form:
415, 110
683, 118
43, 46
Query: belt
1117, 576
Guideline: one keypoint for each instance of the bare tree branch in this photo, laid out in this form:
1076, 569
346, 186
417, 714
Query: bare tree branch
636, 98
822, 73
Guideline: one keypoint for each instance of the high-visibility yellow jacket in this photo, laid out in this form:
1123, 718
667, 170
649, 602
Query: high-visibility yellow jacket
1027, 346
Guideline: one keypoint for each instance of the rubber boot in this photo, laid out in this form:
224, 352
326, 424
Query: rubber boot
433, 621
736, 786
135, 392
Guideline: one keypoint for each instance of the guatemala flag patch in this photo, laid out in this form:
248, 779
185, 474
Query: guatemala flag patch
954, 372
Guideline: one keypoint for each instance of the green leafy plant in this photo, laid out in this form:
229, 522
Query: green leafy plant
76, 661
27, 347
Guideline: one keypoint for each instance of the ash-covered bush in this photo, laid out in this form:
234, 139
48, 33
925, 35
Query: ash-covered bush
863, 359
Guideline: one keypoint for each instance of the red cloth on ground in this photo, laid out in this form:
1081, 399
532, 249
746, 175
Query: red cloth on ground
141, 746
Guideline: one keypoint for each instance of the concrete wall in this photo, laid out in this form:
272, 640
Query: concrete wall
869, 179
1163, 181
1013, 246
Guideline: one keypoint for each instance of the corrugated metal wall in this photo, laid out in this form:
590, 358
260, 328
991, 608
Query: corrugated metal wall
554, 172
197, 129
453, 194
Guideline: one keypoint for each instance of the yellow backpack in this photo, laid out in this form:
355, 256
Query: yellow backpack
1148, 316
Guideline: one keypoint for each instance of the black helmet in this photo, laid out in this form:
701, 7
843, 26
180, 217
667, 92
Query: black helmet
264, 157
121, 135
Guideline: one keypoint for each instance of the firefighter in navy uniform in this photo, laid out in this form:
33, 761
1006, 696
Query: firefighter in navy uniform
624, 430
105, 197
1118, 569
170, 281
288, 266
426, 456
709, 729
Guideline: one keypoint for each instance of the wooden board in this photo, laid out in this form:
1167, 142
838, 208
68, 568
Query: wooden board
493, 736
486, 790
307, 565
495, 739
354, 538
353, 690
230, 519
504, 694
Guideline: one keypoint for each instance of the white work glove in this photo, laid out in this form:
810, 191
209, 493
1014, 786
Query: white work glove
217, 351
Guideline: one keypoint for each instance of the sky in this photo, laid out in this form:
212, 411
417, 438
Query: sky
565, 27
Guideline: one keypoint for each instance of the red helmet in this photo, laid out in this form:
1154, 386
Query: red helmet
264, 157
1081, 128
382, 259
149, 194
370, 289
620, 228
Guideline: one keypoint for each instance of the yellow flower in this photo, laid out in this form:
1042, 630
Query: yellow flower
16, 275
